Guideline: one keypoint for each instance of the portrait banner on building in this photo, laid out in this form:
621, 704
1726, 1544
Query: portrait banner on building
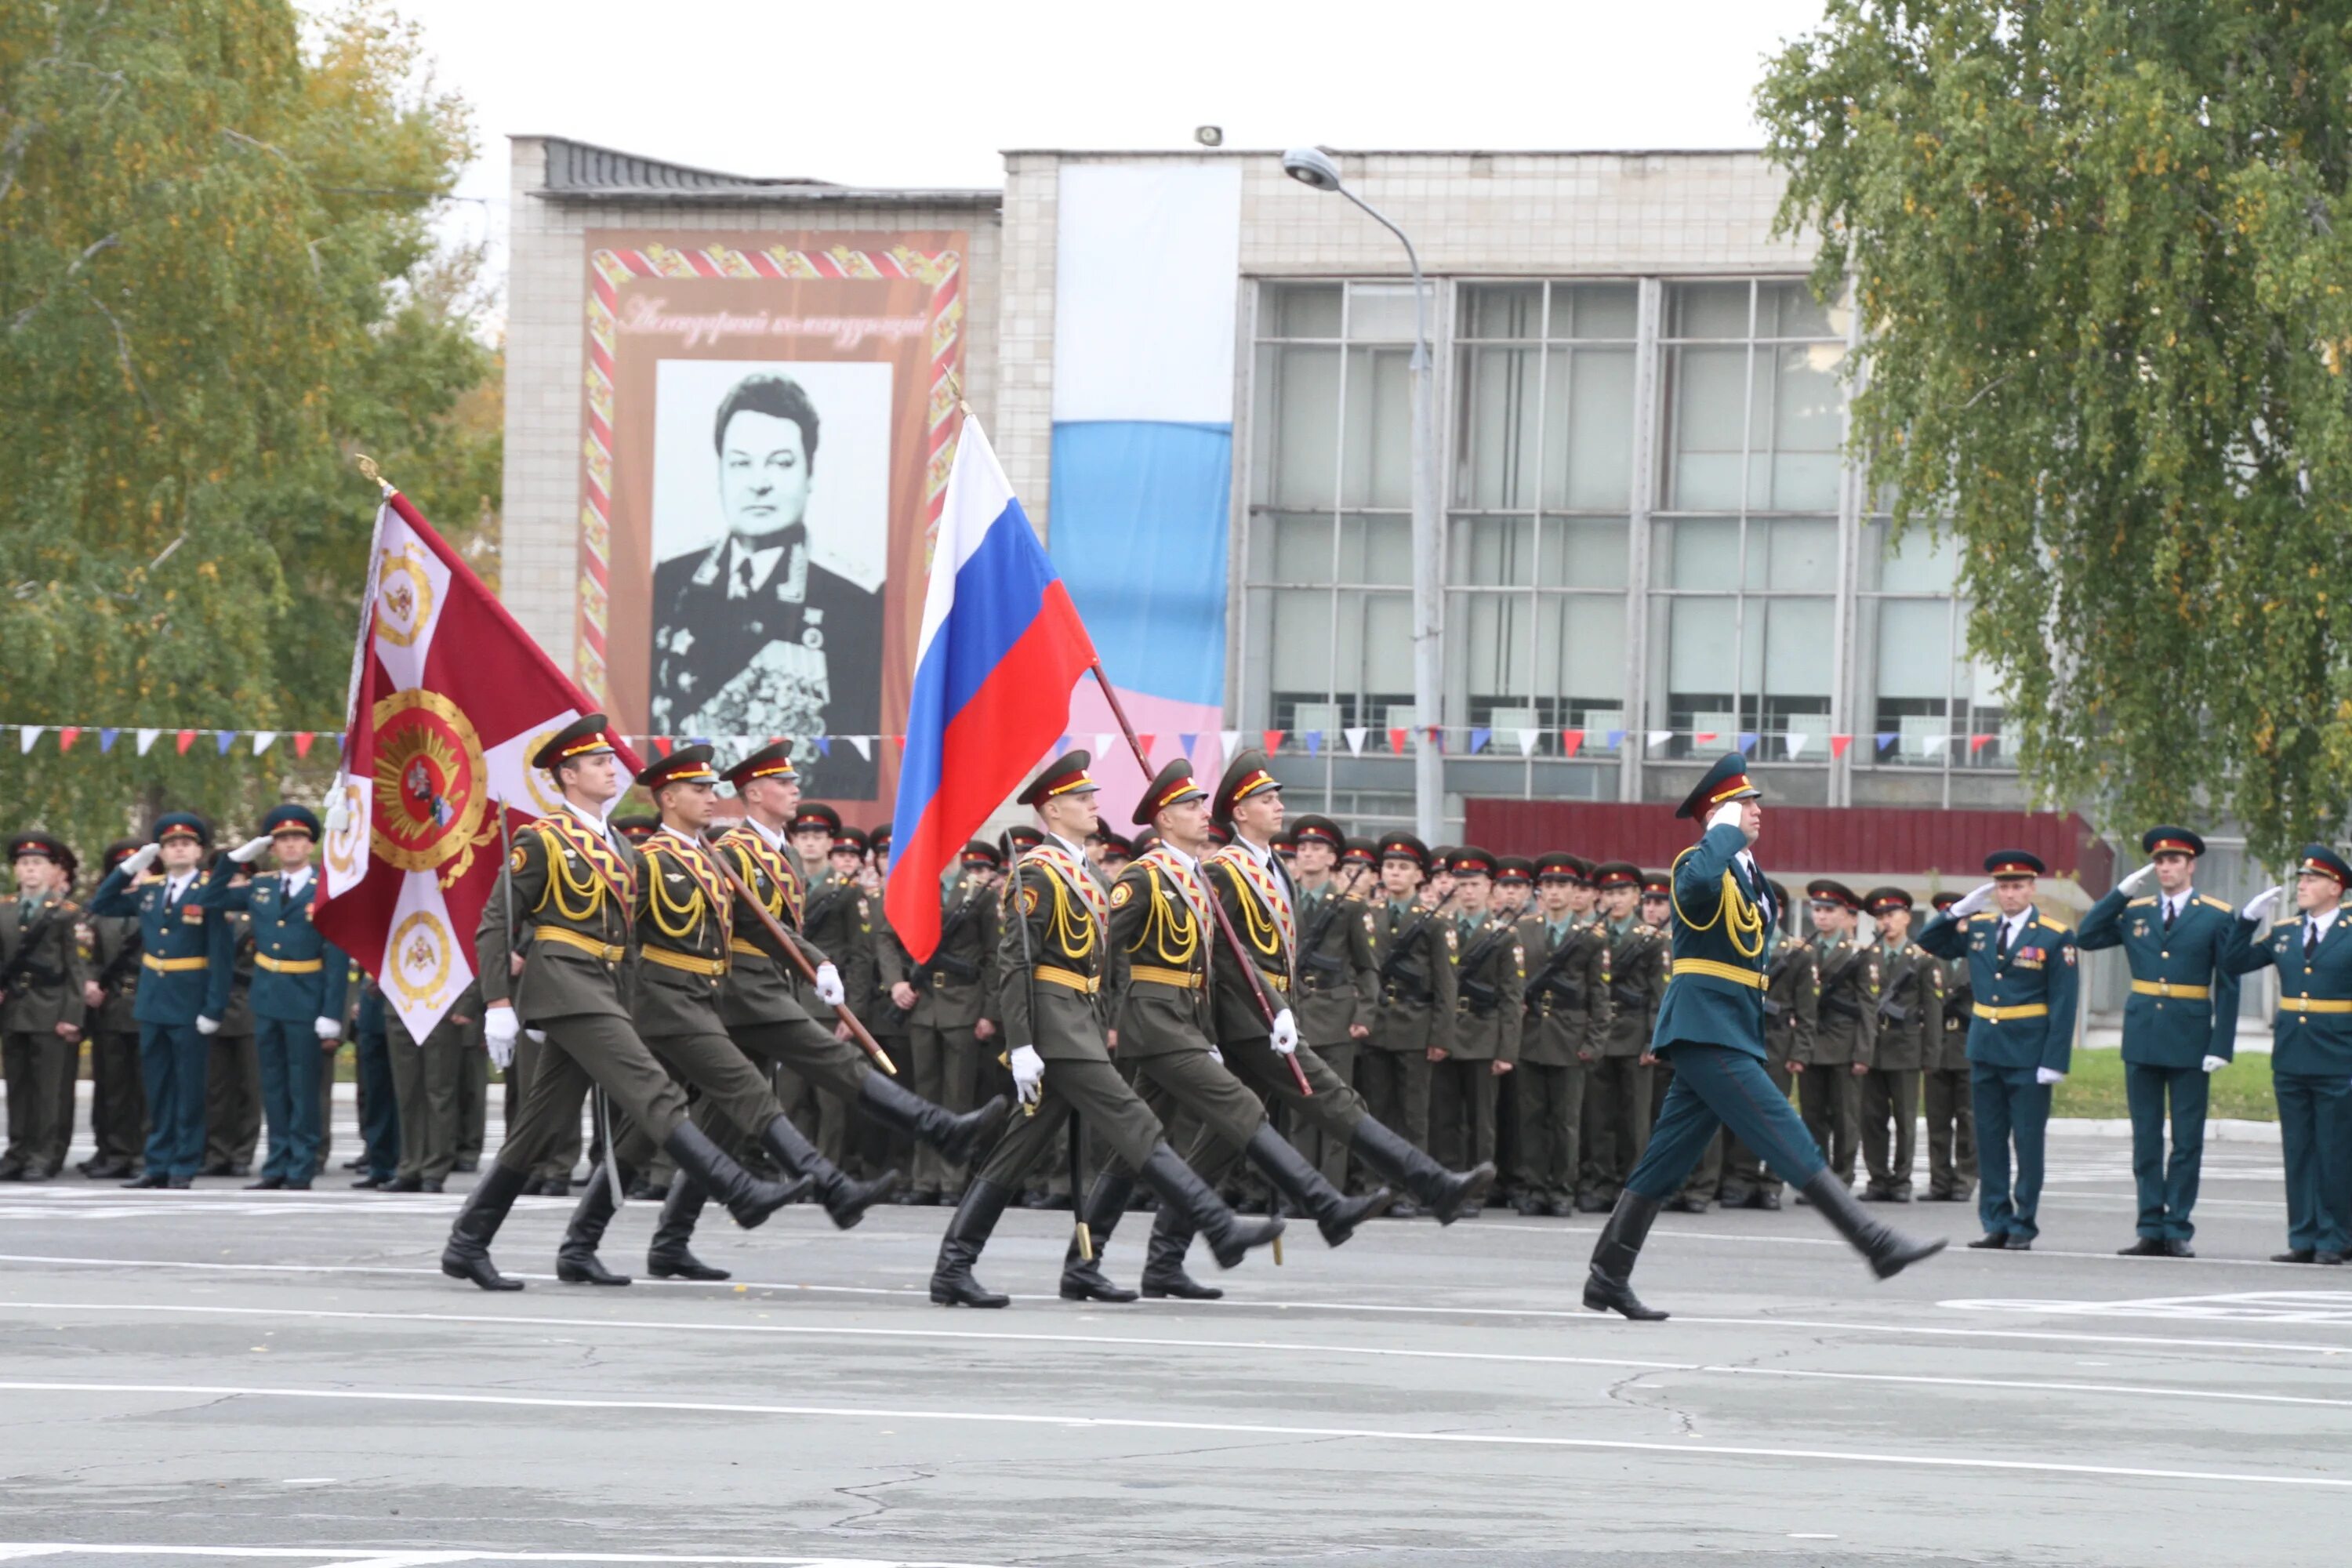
768, 428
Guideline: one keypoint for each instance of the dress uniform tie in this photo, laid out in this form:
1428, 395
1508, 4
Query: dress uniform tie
2167, 917
741, 588
2310, 939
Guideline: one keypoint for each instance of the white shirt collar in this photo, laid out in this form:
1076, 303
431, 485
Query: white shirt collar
2324, 918
176, 883
591, 818
295, 880
2013, 924
773, 838
685, 837
763, 563
1077, 850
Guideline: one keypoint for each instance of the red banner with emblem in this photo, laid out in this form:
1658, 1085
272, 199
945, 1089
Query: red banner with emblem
450, 699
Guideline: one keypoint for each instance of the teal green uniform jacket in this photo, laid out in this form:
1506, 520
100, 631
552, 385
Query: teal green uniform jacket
1715, 993
282, 933
2304, 1041
176, 938
2038, 976
2163, 1028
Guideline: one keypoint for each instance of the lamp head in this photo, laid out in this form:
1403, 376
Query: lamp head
1312, 167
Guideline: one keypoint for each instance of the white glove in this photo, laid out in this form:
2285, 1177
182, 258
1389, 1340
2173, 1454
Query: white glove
1726, 816
135, 863
207, 1025
2260, 904
339, 811
1028, 1073
2138, 880
329, 1028
1285, 1033
499, 1032
2215, 1064
536, 1037
2046, 1077
246, 853
1978, 898
828, 985
1216, 1056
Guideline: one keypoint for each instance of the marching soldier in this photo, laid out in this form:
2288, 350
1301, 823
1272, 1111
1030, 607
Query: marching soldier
572, 884
42, 1007
2021, 968
1951, 1116
297, 990
1566, 1001
1163, 938
945, 1001
1489, 972
1792, 996
2311, 1049
2180, 1024
1339, 984
1249, 880
1412, 957
1712, 1027
761, 1003
1910, 1025
1829, 1076
1706, 1181
233, 1073
1617, 1100
1051, 963
176, 939
118, 1104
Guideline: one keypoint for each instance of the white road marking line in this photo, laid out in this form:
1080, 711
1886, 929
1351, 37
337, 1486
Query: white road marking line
1147, 1342
1140, 1423
360, 1557
1242, 1306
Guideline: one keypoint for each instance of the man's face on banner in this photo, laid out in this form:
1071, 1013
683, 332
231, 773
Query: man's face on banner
763, 473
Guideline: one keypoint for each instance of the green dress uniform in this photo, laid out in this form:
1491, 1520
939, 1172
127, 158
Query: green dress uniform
2183, 1007
1910, 1025
1950, 1114
299, 979
2311, 1062
117, 1105
233, 1073
428, 1080
1339, 991
1617, 1109
41, 960
952, 990
2025, 987
1413, 958
1828, 1090
1490, 975
839, 920
1792, 998
1562, 1031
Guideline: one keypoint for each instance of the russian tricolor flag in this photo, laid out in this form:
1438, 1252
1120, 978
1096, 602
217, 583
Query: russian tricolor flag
1002, 647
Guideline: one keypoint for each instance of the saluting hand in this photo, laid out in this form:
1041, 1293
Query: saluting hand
2260, 904
1977, 897
246, 853
2138, 880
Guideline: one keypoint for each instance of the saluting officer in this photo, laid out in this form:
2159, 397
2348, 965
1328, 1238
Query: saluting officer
1792, 999
42, 1008
1412, 956
1339, 981
117, 1103
297, 988
1829, 1077
1489, 972
2180, 1024
1617, 1101
1052, 961
1910, 1025
176, 937
572, 884
1566, 1003
1951, 1114
2021, 967
1712, 1026
2311, 1049
946, 1002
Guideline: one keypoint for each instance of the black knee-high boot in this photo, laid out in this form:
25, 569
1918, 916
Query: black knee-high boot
1336, 1214
845, 1200
1082, 1277
669, 1258
1888, 1250
1607, 1284
748, 1198
468, 1254
975, 1218
957, 1138
576, 1262
1448, 1195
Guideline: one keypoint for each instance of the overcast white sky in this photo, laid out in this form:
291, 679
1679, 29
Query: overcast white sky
924, 94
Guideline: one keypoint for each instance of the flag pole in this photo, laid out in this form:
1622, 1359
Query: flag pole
1216, 905
777, 934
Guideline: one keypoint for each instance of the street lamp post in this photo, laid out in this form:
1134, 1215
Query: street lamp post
1314, 168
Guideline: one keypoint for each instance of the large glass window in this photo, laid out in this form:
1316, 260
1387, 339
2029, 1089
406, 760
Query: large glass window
1926, 702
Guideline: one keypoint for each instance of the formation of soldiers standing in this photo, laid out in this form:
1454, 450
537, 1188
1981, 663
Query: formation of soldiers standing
1468, 1013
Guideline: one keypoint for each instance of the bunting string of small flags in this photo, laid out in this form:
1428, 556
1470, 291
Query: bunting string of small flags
1355, 742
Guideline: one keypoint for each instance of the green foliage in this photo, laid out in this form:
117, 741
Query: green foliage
216, 281
2101, 250
2095, 1086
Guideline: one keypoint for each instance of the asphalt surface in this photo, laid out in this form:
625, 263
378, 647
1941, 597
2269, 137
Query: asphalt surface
288, 1378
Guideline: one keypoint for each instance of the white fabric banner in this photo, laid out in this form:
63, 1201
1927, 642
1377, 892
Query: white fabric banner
1146, 273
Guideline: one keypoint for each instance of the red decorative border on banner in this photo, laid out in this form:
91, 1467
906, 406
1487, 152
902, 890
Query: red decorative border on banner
943, 270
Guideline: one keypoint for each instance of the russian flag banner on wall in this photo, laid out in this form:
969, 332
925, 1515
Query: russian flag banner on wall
1147, 277
1002, 645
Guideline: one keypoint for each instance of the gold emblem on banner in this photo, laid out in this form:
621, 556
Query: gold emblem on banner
429, 802
404, 595
421, 952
